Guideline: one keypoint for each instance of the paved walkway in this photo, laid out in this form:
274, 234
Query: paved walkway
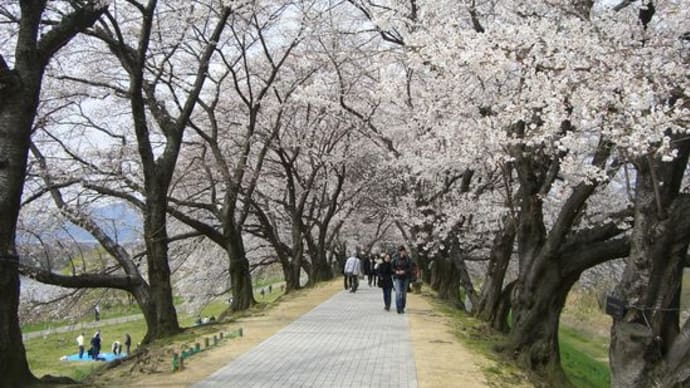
347, 341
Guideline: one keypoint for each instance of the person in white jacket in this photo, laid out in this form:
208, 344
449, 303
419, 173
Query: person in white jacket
80, 343
352, 270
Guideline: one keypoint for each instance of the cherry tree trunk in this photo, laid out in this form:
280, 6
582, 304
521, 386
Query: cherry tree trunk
146, 303
648, 346
291, 273
538, 299
466, 283
20, 89
501, 251
427, 269
320, 269
447, 281
240, 277
17, 112
499, 320
161, 297
295, 267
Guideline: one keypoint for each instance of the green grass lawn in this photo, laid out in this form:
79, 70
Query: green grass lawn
584, 358
583, 355
44, 353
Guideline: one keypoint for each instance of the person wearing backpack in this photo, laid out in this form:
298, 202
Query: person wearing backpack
402, 273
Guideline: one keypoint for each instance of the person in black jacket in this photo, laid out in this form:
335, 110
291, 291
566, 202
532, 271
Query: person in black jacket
96, 344
402, 273
366, 267
385, 275
372, 270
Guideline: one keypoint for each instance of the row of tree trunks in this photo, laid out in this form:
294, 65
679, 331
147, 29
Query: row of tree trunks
446, 280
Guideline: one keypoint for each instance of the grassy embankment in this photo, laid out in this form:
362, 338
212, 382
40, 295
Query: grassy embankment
44, 353
584, 337
584, 350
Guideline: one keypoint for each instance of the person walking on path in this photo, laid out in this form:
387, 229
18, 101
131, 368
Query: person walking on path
346, 278
128, 342
402, 272
352, 271
377, 262
372, 270
385, 280
80, 343
97, 313
366, 268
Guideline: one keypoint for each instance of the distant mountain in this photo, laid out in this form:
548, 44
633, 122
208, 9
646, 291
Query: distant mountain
118, 220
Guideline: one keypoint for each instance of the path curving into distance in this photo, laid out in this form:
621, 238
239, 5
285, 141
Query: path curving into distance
347, 341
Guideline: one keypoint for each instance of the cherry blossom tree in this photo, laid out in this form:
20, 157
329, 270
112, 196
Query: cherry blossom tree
21, 73
151, 101
649, 343
244, 113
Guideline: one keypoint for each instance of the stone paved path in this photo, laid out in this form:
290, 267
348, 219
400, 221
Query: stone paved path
347, 341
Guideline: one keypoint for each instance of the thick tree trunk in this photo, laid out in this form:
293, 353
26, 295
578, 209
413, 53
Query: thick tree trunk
645, 341
499, 259
427, 273
321, 270
147, 305
499, 321
422, 265
466, 283
240, 278
448, 281
20, 89
17, 111
291, 277
161, 300
297, 251
536, 307
14, 368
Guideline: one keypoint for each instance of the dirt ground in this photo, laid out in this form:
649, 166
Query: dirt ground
441, 359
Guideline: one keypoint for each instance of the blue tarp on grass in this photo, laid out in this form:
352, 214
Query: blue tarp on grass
101, 357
